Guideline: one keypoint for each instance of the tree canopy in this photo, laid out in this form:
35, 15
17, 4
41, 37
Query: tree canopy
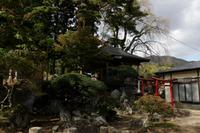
71, 31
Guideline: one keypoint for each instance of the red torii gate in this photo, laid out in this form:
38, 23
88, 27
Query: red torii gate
156, 81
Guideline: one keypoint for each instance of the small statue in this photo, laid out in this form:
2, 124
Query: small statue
10, 82
12, 79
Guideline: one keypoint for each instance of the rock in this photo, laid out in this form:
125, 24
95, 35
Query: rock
20, 117
76, 118
100, 121
130, 110
136, 123
89, 129
29, 102
35, 130
55, 129
65, 115
70, 130
127, 107
156, 117
113, 130
103, 129
115, 94
20, 96
94, 114
146, 122
54, 107
77, 113
125, 131
22, 93
123, 96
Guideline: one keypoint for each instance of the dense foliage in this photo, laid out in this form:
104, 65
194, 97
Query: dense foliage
149, 69
77, 91
159, 63
10, 60
41, 35
74, 84
32, 28
79, 51
154, 104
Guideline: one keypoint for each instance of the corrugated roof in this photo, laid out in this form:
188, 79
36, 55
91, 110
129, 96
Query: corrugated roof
187, 66
118, 52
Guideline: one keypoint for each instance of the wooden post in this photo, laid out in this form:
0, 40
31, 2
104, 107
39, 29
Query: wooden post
171, 94
142, 88
157, 87
198, 83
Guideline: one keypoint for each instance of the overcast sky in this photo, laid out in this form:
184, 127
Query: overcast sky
184, 18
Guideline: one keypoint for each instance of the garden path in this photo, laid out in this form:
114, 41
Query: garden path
189, 124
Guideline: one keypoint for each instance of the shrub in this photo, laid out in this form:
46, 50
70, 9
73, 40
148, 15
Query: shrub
154, 104
75, 90
105, 106
79, 92
74, 83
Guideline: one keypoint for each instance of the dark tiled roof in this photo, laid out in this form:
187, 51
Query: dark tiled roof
113, 51
188, 66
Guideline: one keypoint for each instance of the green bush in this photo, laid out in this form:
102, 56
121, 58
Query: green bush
76, 91
105, 106
77, 83
79, 92
154, 104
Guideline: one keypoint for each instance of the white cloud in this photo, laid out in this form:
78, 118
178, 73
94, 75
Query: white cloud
184, 17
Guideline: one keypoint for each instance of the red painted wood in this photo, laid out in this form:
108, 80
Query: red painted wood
142, 88
156, 87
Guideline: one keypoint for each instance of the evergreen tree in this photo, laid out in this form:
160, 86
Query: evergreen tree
31, 28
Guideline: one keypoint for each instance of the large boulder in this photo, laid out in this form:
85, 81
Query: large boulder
65, 116
54, 107
115, 94
20, 117
136, 123
23, 94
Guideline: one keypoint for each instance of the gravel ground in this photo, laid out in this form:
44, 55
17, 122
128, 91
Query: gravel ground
189, 124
